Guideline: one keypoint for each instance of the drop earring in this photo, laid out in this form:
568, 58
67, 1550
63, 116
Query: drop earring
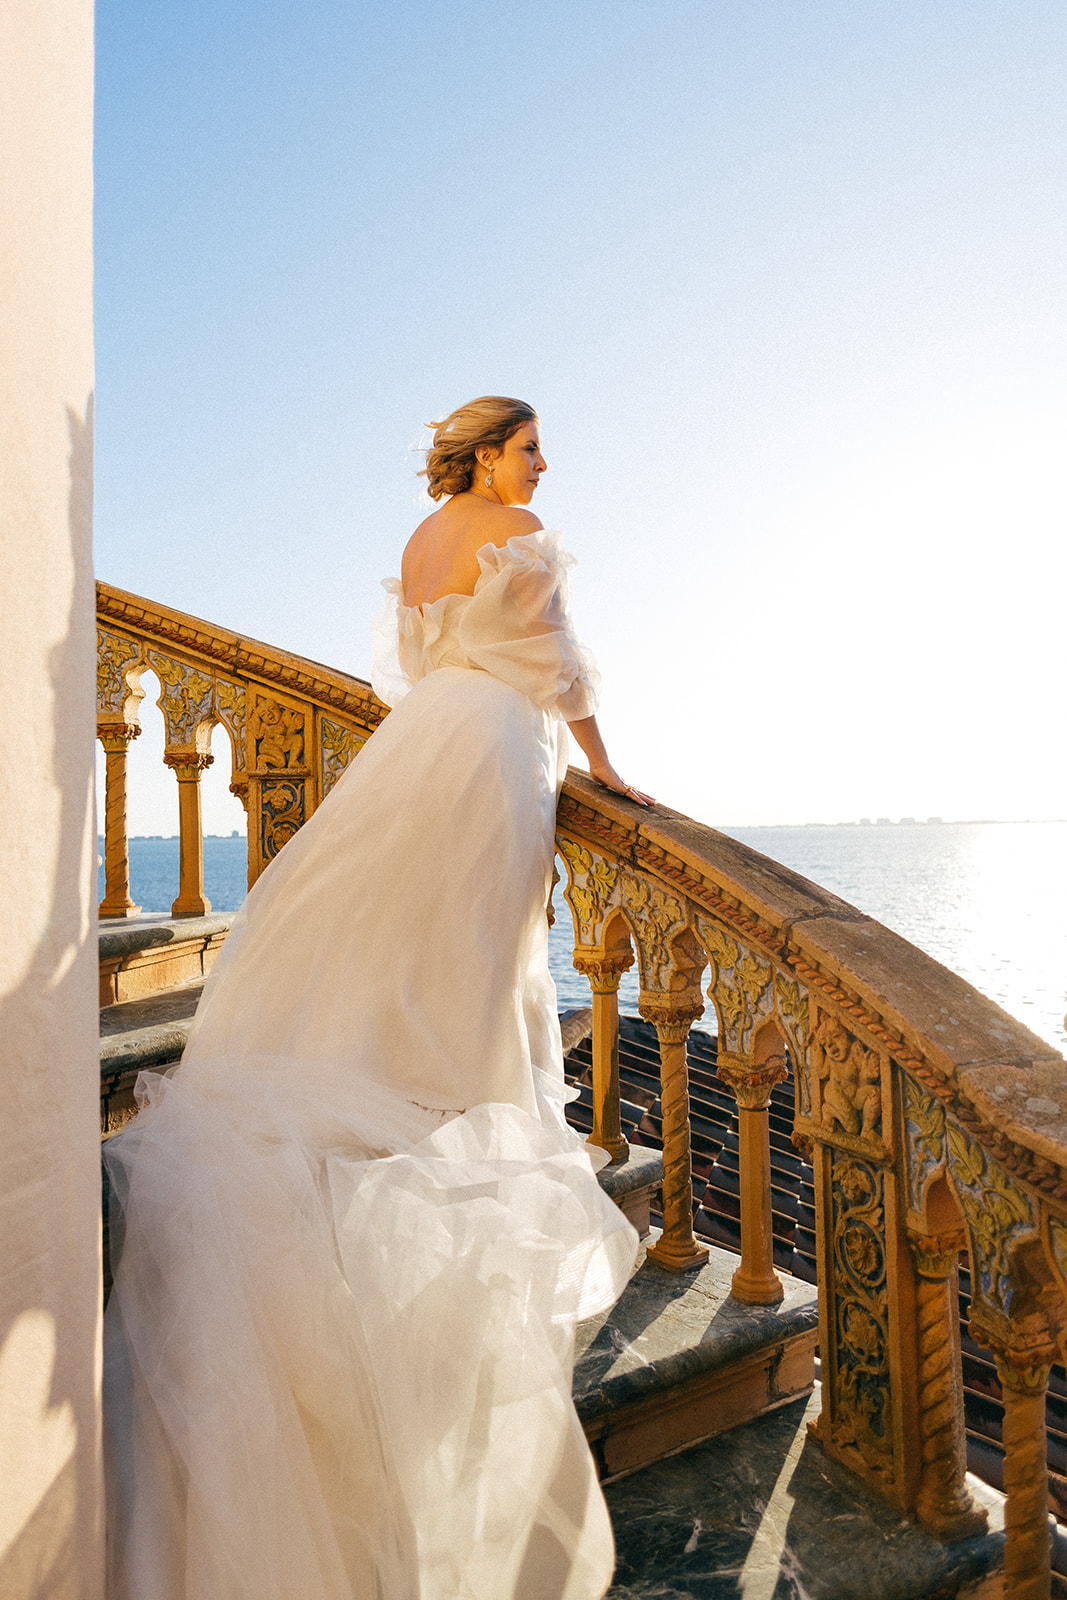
489, 479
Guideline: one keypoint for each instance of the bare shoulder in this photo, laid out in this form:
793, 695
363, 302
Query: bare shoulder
510, 522
441, 557
429, 534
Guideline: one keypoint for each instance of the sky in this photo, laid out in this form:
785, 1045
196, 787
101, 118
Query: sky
785, 282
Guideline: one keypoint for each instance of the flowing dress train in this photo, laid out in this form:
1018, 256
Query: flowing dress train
356, 1232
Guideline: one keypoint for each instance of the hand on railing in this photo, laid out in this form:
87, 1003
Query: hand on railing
591, 741
608, 778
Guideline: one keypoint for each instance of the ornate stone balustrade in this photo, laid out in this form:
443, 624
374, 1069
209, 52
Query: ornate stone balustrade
934, 1121
293, 727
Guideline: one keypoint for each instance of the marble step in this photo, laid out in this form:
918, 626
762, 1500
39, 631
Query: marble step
140, 956
149, 1031
761, 1512
678, 1360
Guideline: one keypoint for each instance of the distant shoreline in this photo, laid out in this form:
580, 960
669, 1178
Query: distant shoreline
901, 822
746, 827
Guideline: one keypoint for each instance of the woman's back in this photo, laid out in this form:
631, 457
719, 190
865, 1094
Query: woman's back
441, 557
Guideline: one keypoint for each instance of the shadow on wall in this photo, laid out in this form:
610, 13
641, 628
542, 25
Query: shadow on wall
52, 1501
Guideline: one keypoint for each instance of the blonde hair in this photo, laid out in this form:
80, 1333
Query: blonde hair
488, 422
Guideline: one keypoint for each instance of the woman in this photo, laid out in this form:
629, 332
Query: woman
358, 1234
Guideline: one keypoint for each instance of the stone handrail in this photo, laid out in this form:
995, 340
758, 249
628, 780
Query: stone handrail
934, 1121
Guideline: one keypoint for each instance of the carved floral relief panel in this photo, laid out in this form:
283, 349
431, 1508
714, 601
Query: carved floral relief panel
185, 699
283, 811
924, 1136
592, 889
1056, 1246
862, 1410
338, 747
655, 917
791, 1000
116, 653
998, 1213
741, 987
231, 709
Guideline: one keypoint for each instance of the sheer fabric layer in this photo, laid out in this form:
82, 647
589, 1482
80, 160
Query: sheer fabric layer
358, 1233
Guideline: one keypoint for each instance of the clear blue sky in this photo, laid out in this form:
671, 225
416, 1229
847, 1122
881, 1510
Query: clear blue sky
786, 282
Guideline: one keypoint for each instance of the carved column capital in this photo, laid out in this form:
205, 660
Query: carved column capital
187, 765
117, 736
935, 1254
1023, 1358
672, 1021
751, 1084
1025, 1372
603, 970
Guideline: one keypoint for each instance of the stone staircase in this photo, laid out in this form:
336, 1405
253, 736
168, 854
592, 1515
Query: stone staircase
762, 1513
696, 1406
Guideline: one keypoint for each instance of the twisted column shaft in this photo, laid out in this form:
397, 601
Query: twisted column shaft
116, 901
755, 1280
1023, 1357
944, 1502
607, 1131
1028, 1545
677, 1247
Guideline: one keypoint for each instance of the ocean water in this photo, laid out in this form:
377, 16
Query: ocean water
988, 899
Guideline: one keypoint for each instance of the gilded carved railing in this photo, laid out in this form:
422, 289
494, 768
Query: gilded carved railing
293, 727
933, 1120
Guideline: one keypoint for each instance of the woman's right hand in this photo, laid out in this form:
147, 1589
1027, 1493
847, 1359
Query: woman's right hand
608, 778
591, 742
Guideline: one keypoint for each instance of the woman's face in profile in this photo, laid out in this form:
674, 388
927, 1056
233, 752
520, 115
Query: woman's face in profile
517, 469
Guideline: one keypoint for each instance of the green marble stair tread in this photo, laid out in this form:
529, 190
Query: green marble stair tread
669, 1328
639, 1170
147, 1032
763, 1513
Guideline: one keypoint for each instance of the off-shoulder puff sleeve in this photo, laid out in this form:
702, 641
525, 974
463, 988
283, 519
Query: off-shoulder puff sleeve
518, 625
388, 679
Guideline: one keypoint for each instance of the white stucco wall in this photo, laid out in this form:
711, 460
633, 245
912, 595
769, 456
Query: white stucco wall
50, 1494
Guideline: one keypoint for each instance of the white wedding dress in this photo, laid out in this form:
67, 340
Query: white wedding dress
357, 1233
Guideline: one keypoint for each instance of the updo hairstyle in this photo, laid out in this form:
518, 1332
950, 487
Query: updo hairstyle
486, 423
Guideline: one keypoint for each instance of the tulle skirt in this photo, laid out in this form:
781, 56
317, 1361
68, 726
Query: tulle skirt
354, 1234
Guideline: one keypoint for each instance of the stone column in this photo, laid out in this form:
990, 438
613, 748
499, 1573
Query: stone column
188, 766
116, 741
604, 974
944, 1502
1023, 1376
755, 1280
676, 1248
239, 788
